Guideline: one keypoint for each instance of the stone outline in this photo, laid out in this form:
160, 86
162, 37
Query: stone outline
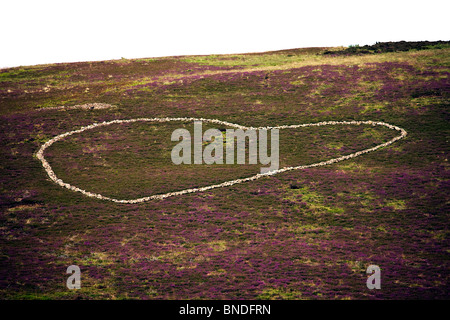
53, 177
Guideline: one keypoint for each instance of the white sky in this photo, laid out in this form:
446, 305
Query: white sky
36, 32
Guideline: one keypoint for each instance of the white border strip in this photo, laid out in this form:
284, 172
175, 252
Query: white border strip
52, 175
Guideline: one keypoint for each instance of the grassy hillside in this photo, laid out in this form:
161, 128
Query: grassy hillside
304, 234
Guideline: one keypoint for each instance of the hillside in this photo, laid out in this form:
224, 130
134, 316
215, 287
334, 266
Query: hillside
300, 234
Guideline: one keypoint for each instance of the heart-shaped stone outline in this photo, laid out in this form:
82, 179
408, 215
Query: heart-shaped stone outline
52, 175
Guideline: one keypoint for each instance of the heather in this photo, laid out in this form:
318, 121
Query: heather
381, 47
304, 234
